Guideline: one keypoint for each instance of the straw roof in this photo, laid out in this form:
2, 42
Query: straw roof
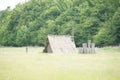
60, 44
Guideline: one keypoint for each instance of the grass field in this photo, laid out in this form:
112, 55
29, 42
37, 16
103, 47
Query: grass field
15, 64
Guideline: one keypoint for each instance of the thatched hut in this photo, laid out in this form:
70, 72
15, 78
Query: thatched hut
59, 44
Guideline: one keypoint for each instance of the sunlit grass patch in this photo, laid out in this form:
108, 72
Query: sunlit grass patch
15, 64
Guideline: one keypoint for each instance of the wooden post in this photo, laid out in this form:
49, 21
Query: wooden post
73, 34
84, 47
89, 46
80, 50
93, 47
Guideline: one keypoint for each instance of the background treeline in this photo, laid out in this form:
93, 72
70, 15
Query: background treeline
31, 22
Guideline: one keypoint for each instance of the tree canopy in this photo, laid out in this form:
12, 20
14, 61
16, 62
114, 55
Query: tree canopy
29, 23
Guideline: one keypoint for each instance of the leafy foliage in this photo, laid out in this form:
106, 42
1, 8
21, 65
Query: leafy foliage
29, 23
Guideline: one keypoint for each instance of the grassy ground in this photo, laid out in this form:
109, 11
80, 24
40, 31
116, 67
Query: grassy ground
15, 64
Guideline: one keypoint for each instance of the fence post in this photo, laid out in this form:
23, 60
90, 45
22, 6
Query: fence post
93, 48
89, 46
84, 47
80, 49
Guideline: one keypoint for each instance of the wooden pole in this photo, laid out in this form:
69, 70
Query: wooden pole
84, 47
80, 49
73, 34
93, 48
89, 46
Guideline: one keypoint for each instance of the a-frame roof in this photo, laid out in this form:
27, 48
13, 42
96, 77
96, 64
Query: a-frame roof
61, 44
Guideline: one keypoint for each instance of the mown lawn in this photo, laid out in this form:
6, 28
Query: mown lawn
15, 64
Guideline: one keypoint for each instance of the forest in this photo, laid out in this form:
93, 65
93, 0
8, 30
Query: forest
29, 23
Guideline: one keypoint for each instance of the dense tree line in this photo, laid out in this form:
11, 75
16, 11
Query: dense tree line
29, 23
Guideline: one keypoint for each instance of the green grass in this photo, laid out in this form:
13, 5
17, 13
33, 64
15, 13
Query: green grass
15, 64
110, 50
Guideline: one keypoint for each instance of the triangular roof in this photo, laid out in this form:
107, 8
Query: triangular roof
60, 44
